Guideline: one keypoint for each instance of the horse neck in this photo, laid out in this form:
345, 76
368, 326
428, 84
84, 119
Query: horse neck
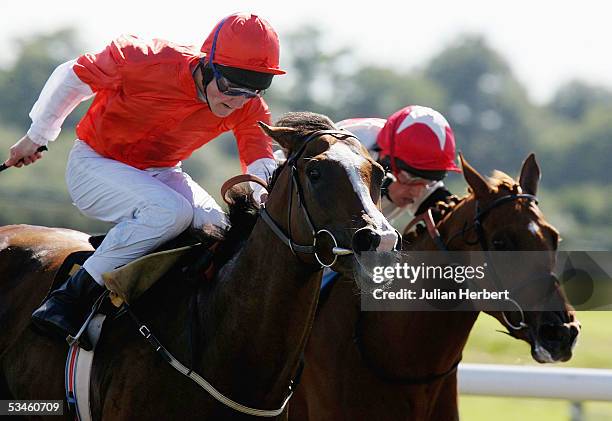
257, 321
441, 336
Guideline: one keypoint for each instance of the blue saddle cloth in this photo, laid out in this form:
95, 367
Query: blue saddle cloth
328, 280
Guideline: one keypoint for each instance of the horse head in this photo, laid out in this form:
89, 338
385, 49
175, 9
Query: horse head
323, 199
502, 215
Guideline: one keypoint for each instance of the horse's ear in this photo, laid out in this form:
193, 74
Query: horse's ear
477, 183
284, 136
530, 175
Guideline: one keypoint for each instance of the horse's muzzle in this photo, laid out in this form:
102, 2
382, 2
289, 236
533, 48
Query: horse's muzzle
559, 339
367, 239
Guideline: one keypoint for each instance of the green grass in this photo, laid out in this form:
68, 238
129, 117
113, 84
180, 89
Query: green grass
594, 350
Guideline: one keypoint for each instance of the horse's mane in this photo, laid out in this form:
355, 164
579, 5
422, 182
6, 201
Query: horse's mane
243, 213
438, 211
499, 181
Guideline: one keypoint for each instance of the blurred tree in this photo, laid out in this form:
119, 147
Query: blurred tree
333, 83
312, 76
487, 107
574, 99
22, 82
379, 92
587, 160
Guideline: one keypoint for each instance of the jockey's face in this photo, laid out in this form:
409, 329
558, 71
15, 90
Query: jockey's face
407, 189
223, 105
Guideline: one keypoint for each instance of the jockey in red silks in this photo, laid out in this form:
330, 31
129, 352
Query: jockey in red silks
154, 104
417, 145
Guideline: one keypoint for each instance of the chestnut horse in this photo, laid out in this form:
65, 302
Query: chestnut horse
244, 332
393, 365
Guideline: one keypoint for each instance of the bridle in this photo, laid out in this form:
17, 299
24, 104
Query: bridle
291, 163
295, 248
477, 226
287, 238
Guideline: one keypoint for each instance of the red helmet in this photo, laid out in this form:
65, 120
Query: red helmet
421, 137
244, 41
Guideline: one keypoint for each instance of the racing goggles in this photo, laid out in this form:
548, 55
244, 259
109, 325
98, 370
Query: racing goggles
409, 179
230, 89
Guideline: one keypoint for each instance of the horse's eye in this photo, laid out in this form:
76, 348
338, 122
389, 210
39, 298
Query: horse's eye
499, 244
314, 174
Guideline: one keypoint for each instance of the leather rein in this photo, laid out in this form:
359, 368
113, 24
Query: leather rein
295, 184
295, 248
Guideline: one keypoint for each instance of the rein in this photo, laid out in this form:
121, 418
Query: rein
199, 380
242, 178
286, 239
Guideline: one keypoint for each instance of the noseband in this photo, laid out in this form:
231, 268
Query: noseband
295, 184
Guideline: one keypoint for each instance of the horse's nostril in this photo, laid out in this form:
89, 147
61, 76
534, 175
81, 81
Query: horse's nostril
553, 333
574, 331
365, 239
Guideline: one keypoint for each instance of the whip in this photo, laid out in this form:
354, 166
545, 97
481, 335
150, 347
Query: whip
41, 149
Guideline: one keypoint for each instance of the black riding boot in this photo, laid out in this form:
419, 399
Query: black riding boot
65, 310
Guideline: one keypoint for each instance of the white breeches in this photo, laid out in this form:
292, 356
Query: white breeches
148, 207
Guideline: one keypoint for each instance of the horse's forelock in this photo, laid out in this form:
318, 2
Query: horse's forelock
501, 181
305, 122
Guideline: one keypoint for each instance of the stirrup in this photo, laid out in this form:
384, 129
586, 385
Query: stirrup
83, 330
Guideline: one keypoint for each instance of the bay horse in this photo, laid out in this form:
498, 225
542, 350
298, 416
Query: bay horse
399, 365
244, 331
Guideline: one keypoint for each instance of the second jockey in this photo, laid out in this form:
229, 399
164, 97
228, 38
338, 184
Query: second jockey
417, 146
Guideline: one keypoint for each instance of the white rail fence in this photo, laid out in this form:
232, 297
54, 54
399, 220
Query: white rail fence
573, 384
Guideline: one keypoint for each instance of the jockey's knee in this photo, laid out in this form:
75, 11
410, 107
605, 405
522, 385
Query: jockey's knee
170, 218
182, 215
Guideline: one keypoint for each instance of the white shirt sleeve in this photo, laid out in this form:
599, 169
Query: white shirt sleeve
366, 129
262, 168
60, 95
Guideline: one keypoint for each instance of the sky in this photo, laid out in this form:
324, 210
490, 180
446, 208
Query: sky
546, 43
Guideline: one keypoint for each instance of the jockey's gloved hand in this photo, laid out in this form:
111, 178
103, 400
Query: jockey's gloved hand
262, 168
280, 157
260, 194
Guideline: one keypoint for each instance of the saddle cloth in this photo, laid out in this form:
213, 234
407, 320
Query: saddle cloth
126, 284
